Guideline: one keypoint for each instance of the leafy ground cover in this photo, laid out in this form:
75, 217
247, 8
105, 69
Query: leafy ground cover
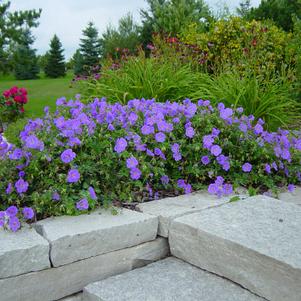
89, 155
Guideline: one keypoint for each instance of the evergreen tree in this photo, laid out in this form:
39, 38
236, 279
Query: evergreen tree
77, 62
89, 48
13, 27
55, 66
244, 8
25, 59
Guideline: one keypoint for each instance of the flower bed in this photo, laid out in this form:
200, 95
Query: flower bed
86, 156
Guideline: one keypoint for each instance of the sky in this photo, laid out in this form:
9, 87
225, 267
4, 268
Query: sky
67, 18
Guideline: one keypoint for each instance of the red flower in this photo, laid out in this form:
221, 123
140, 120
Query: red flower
254, 42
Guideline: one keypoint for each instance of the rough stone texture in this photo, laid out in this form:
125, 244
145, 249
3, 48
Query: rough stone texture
170, 208
73, 238
167, 280
56, 283
291, 197
22, 252
76, 297
254, 242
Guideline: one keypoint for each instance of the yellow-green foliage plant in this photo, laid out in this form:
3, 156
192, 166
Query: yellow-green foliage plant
241, 45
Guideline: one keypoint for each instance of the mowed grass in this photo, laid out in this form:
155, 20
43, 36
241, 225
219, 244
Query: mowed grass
41, 92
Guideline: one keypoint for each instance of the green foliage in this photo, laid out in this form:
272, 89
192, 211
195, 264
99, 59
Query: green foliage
171, 16
140, 77
55, 66
280, 11
269, 100
236, 44
25, 59
77, 62
13, 27
89, 48
244, 8
125, 37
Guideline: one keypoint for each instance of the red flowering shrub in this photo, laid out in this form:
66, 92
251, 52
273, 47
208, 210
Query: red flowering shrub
12, 103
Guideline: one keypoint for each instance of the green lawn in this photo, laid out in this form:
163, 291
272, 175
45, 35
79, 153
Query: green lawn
41, 92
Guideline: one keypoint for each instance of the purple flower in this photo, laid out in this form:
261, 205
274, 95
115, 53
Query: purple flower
189, 132
33, 142
21, 174
14, 224
243, 127
247, 167
205, 160
21, 186
11, 211
9, 188
73, 176
291, 187
258, 129
56, 196
147, 129
120, 145
267, 168
131, 162
92, 193
160, 137
175, 148
28, 213
135, 173
219, 188
208, 141
215, 150
68, 155
165, 180
82, 204
17, 154
215, 132
225, 113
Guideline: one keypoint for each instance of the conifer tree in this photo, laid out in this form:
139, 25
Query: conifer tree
25, 59
55, 66
89, 48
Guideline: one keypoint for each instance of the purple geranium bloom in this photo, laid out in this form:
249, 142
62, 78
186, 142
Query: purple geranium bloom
73, 176
258, 129
9, 188
33, 142
17, 154
11, 211
92, 193
165, 180
215, 150
21, 186
205, 160
14, 223
120, 145
160, 137
68, 155
82, 204
189, 132
175, 148
243, 127
267, 168
225, 113
247, 167
21, 174
291, 187
177, 156
56, 196
147, 129
28, 213
135, 173
131, 162
208, 141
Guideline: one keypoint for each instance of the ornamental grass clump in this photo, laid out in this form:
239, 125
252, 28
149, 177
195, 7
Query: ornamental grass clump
89, 155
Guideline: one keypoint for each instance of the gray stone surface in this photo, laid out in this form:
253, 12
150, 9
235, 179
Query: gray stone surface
254, 242
56, 283
73, 238
170, 208
22, 252
167, 280
76, 297
291, 197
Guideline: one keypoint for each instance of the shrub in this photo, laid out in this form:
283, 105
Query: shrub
85, 156
241, 45
12, 104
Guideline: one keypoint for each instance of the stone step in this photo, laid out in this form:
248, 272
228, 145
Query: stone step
254, 242
168, 209
73, 238
170, 279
